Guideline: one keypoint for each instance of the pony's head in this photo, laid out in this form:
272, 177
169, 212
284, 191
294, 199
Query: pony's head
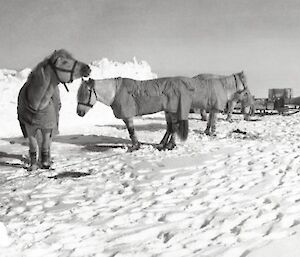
247, 103
86, 96
240, 81
66, 67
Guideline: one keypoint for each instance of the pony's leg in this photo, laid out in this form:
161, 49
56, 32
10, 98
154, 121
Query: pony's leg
172, 142
203, 114
33, 148
231, 105
208, 126
173, 127
165, 139
169, 135
247, 112
45, 149
39, 138
135, 142
213, 123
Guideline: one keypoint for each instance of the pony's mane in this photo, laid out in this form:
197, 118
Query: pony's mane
240, 74
82, 92
52, 57
230, 78
215, 76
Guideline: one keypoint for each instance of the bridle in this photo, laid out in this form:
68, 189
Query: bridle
88, 104
55, 69
236, 84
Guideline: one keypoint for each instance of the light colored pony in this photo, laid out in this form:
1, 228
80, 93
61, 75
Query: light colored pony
245, 98
129, 98
216, 93
39, 102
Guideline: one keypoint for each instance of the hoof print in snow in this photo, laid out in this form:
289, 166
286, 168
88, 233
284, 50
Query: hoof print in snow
165, 236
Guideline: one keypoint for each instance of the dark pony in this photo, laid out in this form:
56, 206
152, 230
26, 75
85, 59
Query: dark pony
39, 102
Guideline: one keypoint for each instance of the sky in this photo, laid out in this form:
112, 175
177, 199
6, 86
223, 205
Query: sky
176, 37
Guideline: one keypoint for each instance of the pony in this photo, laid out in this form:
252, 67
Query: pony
214, 93
39, 103
247, 101
245, 98
129, 98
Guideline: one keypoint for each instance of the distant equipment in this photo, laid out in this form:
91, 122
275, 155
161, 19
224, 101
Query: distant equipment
279, 100
284, 94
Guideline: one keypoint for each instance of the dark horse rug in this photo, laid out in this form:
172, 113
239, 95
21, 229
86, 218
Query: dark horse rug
134, 97
42, 119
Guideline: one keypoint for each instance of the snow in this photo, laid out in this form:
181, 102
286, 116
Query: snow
231, 195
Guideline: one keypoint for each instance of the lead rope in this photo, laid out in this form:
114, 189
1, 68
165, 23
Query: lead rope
66, 87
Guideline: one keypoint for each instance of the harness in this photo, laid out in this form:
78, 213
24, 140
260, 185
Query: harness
55, 69
236, 85
88, 104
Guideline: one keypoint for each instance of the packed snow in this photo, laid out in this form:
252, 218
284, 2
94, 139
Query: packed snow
233, 195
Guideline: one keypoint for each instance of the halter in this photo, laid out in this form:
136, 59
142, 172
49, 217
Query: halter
55, 69
88, 104
236, 85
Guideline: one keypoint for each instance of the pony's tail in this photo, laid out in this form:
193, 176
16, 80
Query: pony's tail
183, 129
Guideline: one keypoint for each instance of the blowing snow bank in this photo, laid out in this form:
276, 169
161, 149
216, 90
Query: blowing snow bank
11, 81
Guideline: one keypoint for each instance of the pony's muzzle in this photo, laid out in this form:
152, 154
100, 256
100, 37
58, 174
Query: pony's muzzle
85, 70
80, 113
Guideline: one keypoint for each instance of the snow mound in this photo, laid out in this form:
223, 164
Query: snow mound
23, 74
5, 240
6, 75
111, 69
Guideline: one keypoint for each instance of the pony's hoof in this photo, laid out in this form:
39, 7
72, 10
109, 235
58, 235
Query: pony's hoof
247, 118
210, 133
160, 147
207, 132
45, 163
33, 167
170, 146
46, 166
134, 147
204, 117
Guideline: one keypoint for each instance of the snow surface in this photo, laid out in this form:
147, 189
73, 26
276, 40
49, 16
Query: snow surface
233, 195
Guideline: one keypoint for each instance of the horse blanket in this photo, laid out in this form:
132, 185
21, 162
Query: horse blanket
135, 97
41, 119
211, 94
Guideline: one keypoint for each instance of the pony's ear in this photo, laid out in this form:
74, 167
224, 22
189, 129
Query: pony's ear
91, 82
54, 53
